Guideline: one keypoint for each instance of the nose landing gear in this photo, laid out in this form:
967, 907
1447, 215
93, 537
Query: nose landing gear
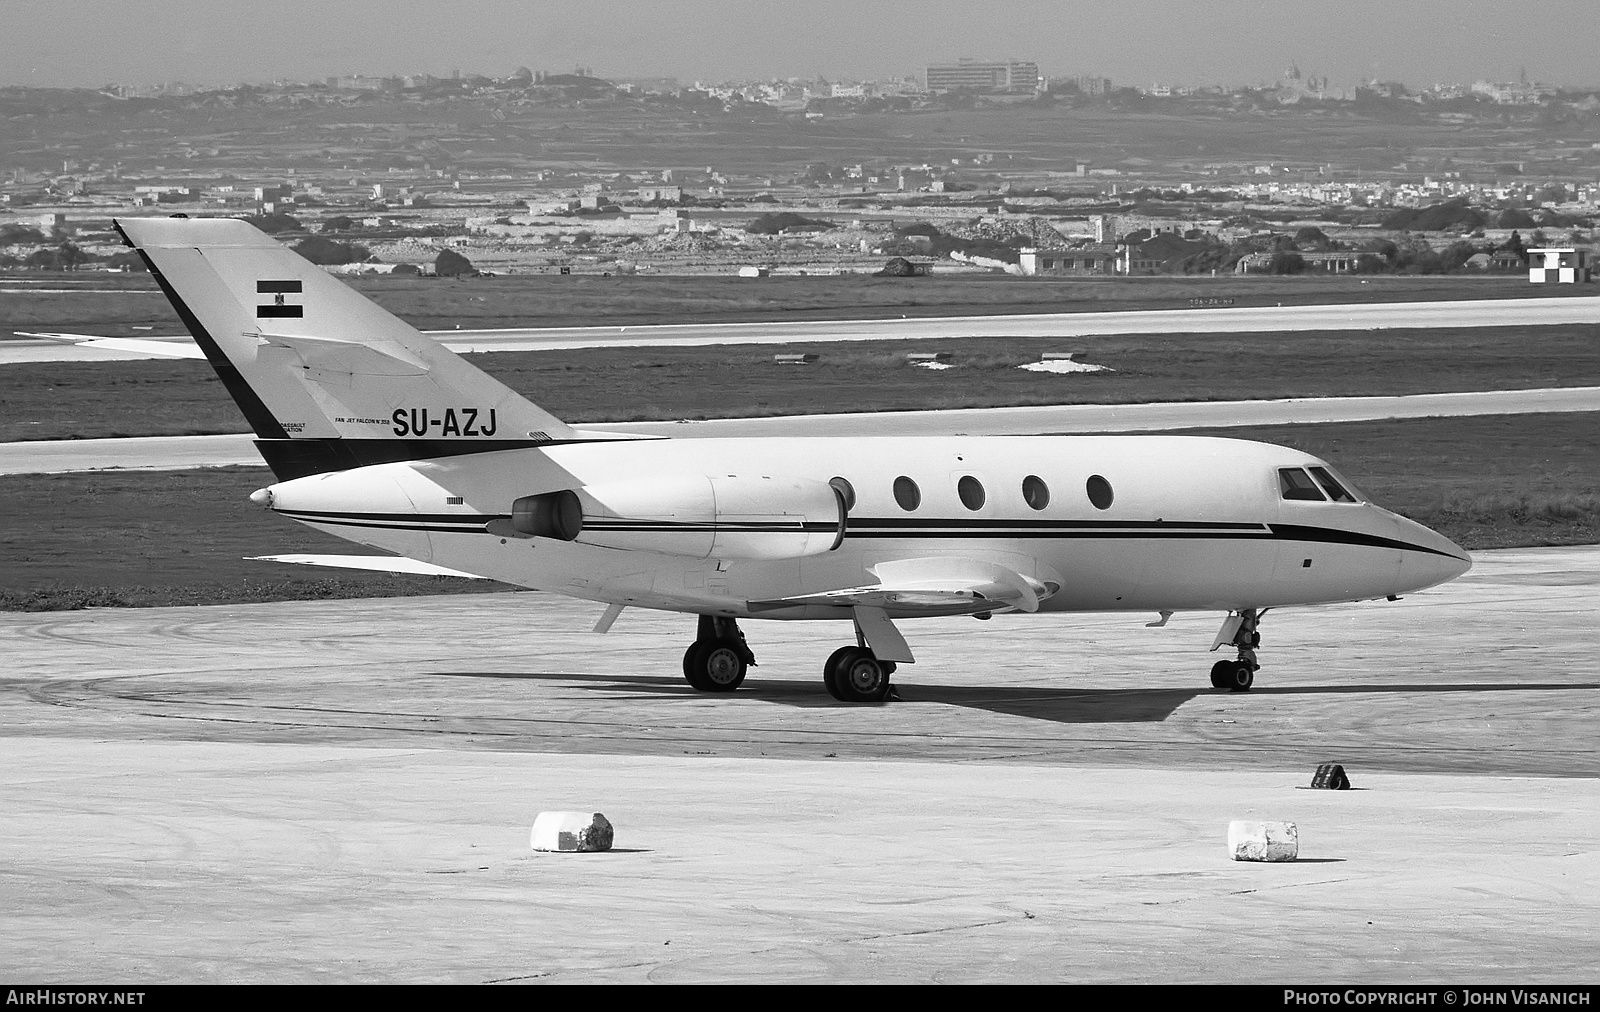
1239, 630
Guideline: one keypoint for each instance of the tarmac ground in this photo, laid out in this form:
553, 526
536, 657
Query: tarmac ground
342, 791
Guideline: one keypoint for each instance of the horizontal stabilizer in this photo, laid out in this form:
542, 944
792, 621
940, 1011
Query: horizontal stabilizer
941, 585
177, 348
374, 563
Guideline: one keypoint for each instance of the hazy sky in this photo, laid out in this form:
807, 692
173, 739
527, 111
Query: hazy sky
93, 42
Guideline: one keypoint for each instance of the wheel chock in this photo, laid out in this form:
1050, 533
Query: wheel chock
571, 831
1330, 777
1263, 841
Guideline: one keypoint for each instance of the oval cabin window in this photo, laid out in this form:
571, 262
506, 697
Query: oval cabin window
971, 492
907, 494
1035, 492
1099, 492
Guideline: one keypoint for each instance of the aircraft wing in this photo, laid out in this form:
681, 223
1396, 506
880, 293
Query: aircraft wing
175, 348
940, 585
375, 563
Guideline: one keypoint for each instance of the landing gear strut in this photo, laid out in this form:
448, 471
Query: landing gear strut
718, 658
1238, 675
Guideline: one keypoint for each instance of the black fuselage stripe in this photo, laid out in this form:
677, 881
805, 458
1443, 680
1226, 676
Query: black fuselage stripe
447, 523
884, 527
460, 518
320, 516
1329, 535
973, 523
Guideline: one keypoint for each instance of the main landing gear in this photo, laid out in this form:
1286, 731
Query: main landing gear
718, 658
855, 675
1238, 675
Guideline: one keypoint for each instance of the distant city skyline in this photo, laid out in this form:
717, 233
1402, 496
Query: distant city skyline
1231, 42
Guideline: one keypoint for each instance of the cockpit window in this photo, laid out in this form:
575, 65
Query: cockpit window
1296, 484
1330, 485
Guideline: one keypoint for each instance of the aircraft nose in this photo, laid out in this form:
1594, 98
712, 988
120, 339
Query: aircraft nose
1441, 561
262, 497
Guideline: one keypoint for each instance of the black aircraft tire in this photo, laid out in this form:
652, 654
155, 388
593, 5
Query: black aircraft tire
1222, 674
830, 672
1241, 677
862, 678
694, 668
720, 666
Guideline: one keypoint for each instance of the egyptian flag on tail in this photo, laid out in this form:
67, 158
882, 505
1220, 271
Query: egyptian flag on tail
279, 307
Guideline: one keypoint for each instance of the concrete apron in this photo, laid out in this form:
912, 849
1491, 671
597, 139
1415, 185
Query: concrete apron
169, 861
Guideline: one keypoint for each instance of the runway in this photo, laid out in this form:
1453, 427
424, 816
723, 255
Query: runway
340, 791
179, 452
1153, 417
1361, 316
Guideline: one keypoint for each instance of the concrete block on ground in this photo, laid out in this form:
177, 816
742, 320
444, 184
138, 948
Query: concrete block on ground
571, 831
1330, 777
1263, 841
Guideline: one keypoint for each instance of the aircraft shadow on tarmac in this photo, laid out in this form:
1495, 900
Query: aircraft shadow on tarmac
1066, 706
1061, 705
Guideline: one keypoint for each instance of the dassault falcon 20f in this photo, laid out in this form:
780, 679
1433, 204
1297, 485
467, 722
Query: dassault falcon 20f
380, 436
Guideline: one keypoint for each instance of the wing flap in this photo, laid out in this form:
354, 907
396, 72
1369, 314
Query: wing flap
940, 585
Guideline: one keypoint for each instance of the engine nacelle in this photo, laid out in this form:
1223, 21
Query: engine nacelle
754, 517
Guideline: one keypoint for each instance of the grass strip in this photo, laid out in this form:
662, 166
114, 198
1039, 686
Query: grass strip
167, 398
589, 299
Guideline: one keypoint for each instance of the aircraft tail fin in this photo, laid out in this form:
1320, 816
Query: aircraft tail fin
328, 379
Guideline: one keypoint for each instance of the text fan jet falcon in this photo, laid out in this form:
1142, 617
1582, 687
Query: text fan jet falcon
381, 436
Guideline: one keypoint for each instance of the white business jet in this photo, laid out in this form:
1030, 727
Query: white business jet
381, 436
